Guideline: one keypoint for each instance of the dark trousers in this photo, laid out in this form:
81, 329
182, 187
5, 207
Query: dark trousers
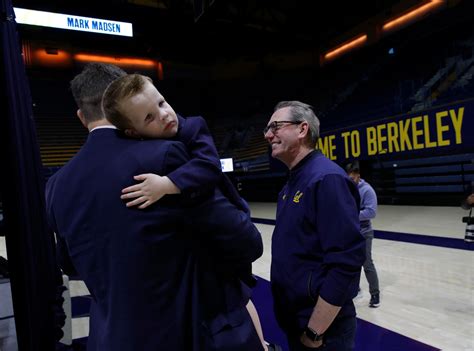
339, 337
369, 267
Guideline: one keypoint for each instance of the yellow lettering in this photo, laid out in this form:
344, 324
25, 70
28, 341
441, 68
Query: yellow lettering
381, 138
323, 146
355, 143
371, 141
441, 128
416, 132
457, 123
332, 147
345, 135
426, 126
404, 137
327, 147
392, 137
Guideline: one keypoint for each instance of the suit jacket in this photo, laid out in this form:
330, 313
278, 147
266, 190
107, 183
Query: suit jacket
153, 284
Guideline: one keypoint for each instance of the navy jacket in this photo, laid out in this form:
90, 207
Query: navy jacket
317, 248
200, 176
148, 271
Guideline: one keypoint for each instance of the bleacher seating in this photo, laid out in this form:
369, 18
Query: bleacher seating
368, 84
419, 180
251, 153
59, 138
59, 131
417, 76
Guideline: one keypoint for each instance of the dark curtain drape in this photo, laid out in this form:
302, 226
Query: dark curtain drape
34, 273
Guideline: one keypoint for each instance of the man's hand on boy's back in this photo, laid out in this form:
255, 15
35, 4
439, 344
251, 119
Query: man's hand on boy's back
151, 188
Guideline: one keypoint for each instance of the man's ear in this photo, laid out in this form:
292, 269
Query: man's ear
81, 116
304, 128
131, 133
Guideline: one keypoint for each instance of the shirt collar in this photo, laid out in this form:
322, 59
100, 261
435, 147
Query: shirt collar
304, 160
103, 127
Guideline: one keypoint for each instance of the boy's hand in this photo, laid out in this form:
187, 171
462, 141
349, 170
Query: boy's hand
152, 188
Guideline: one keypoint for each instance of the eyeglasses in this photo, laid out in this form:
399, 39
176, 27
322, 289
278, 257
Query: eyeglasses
275, 125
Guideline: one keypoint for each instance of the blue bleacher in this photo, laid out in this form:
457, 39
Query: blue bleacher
448, 176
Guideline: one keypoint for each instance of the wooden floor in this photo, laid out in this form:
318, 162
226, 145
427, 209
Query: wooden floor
427, 292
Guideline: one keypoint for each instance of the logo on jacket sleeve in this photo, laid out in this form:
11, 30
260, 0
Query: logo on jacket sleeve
297, 197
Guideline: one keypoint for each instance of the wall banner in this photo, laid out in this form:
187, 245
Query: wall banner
428, 132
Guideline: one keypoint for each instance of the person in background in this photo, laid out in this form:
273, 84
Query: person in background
317, 248
368, 211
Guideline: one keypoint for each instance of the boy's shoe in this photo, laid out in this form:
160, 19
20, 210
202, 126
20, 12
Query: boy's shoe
374, 300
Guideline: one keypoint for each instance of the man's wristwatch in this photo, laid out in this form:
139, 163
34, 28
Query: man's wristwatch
313, 335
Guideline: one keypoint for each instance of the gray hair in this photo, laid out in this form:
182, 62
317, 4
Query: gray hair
299, 111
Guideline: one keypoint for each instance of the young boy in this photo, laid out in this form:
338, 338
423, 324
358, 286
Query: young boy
134, 105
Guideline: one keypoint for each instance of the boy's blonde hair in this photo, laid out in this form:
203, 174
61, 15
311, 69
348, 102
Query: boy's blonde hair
119, 90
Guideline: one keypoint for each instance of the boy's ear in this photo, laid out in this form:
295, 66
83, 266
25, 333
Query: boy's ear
131, 133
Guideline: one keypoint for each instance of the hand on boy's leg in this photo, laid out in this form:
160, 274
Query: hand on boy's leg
152, 188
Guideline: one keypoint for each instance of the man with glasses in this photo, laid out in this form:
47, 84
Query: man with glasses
317, 249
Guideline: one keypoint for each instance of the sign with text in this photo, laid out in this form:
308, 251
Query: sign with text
439, 129
71, 22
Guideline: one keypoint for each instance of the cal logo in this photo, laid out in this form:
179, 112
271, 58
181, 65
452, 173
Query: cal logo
297, 197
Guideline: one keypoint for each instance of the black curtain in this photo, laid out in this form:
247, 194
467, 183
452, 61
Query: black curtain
30, 244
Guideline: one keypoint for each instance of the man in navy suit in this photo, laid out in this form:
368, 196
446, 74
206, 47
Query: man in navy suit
162, 278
